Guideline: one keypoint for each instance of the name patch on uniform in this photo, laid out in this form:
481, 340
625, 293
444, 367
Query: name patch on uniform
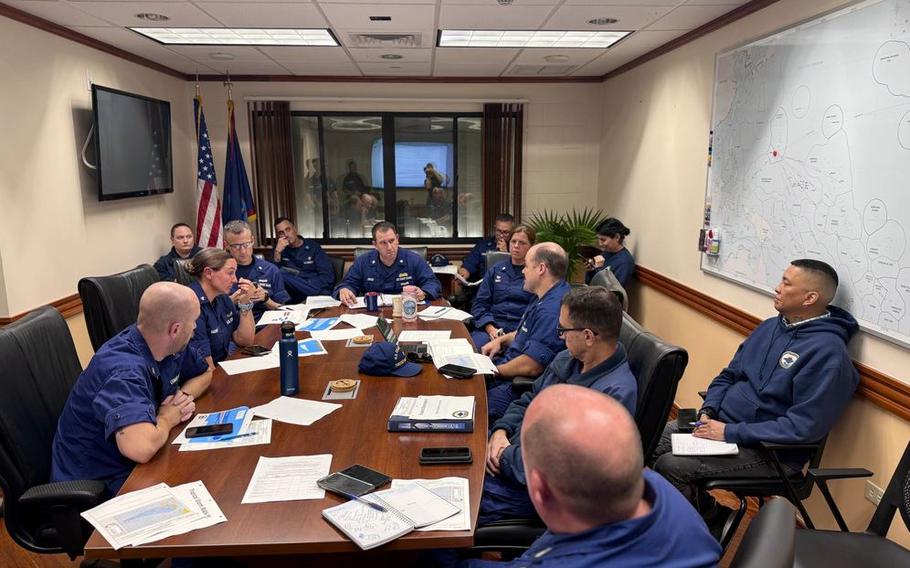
788, 358
175, 379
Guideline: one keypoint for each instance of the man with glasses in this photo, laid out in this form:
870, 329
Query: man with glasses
306, 268
589, 323
472, 266
260, 279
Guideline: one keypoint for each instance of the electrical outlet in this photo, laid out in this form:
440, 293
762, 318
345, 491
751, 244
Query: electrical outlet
874, 493
88, 80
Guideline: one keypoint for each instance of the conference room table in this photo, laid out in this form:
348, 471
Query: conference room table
356, 433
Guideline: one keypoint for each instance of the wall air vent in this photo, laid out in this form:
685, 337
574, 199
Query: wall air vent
385, 39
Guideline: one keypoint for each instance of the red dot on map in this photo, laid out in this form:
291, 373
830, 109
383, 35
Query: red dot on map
774, 153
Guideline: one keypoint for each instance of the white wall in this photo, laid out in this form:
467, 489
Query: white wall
54, 229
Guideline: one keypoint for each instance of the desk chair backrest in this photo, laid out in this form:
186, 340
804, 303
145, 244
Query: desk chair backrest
111, 303
182, 275
658, 366
338, 267
608, 280
420, 250
770, 541
40, 367
493, 258
896, 496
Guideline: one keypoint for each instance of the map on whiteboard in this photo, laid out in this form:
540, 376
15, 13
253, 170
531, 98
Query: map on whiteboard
811, 159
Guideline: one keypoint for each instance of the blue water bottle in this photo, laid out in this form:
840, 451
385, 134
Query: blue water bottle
290, 369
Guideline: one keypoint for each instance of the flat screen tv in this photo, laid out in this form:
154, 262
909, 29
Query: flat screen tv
410, 159
132, 144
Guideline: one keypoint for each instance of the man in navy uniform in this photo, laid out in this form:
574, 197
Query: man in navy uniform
589, 321
125, 404
601, 508
526, 351
387, 270
268, 291
306, 269
183, 247
472, 267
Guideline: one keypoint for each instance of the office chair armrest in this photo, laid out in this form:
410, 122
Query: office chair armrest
82, 494
521, 385
774, 447
289, 270
840, 473
703, 394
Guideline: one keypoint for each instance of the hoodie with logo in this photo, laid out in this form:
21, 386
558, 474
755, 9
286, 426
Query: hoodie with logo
787, 383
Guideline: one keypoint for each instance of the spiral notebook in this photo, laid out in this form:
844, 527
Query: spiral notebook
407, 508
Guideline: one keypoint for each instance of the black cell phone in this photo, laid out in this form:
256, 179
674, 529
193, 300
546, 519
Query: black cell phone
209, 430
457, 371
355, 481
686, 419
255, 350
458, 454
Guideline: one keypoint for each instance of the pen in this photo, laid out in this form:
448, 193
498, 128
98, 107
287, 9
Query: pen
697, 423
353, 497
237, 436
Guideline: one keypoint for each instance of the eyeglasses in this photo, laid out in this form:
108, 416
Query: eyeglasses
562, 331
241, 246
506, 232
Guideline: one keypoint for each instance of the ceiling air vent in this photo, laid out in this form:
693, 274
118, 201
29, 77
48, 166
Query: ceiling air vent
538, 70
388, 39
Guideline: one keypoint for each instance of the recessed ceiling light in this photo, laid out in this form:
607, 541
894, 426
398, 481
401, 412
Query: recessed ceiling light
221, 56
391, 56
380, 18
152, 17
556, 58
603, 21
240, 36
562, 39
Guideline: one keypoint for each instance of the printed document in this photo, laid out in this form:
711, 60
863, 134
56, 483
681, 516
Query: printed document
452, 489
295, 410
259, 432
689, 445
361, 321
249, 364
419, 335
322, 302
444, 312
318, 324
435, 407
198, 498
483, 364
273, 317
287, 479
449, 347
336, 334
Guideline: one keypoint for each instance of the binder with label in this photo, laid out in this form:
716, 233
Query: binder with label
433, 414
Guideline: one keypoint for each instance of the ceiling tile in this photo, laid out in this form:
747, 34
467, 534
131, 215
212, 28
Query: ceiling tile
144, 47
250, 68
689, 17
346, 69
633, 46
630, 17
469, 70
292, 53
375, 2
181, 14
574, 56
627, 3
474, 55
407, 55
405, 18
732, 3
392, 68
265, 15
493, 2
57, 12
495, 17
242, 54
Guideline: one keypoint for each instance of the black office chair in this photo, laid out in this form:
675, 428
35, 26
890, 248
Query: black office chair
420, 250
492, 258
182, 275
338, 267
871, 548
608, 280
770, 540
111, 303
658, 366
40, 367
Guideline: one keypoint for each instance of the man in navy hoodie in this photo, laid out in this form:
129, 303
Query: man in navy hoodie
589, 322
788, 383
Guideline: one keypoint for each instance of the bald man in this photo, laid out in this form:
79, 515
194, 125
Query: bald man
788, 383
601, 509
124, 405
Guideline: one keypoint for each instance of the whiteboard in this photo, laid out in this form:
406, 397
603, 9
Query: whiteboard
811, 159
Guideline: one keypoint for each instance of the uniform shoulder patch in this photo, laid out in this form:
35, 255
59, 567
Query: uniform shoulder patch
788, 358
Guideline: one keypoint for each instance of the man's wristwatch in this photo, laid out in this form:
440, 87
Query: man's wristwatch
245, 307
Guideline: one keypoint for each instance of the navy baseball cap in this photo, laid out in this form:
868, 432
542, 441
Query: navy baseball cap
384, 358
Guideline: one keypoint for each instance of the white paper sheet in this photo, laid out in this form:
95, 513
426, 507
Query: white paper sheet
259, 432
250, 364
449, 347
287, 479
272, 317
322, 302
201, 420
361, 321
335, 334
447, 269
444, 313
689, 445
295, 410
424, 335
452, 489
435, 407
483, 364
198, 498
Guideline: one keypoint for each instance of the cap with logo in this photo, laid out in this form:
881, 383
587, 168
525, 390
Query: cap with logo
384, 358
439, 260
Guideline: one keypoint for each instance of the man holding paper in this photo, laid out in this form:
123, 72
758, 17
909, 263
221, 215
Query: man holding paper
124, 405
788, 383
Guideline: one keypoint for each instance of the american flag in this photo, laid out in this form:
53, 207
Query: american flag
208, 205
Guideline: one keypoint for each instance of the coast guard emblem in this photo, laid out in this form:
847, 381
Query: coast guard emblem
788, 358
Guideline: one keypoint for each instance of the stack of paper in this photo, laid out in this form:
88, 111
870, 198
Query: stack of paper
295, 410
322, 302
278, 317
287, 479
483, 364
157, 512
418, 335
452, 489
689, 445
444, 312
247, 432
449, 347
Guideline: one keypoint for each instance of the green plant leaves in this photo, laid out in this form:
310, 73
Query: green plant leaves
568, 230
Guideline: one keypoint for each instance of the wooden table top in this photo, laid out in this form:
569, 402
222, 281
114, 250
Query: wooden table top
355, 433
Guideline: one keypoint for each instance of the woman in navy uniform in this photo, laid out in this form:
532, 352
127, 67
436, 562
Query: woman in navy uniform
501, 298
222, 325
611, 234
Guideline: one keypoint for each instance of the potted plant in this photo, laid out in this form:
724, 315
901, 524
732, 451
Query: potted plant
571, 231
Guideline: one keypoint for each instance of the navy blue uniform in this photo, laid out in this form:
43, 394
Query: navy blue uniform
369, 274
473, 263
165, 264
501, 300
122, 385
621, 263
268, 277
307, 271
216, 325
671, 535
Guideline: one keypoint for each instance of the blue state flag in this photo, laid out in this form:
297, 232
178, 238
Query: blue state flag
238, 198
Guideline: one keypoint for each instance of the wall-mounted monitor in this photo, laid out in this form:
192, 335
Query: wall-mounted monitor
132, 144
